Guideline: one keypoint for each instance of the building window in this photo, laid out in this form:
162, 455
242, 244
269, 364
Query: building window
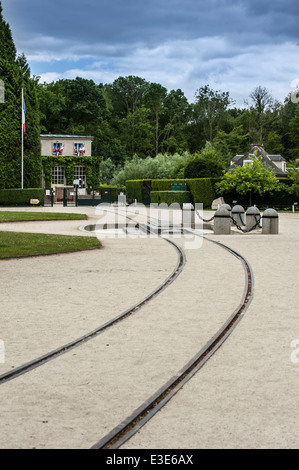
79, 149
79, 175
57, 148
247, 162
58, 175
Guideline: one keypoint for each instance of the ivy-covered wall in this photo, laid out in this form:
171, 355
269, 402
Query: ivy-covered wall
92, 168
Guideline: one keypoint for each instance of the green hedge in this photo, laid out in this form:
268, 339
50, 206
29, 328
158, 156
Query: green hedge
134, 189
165, 185
170, 197
202, 190
277, 200
21, 197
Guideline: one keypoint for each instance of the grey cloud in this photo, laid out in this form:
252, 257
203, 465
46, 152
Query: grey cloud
153, 21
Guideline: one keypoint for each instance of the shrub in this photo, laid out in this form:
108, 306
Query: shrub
134, 189
20, 197
204, 168
202, 190
170, 197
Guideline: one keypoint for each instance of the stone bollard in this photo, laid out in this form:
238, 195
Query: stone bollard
226, 206
238, 215
252, 216
270, 222
188, 215
222, 225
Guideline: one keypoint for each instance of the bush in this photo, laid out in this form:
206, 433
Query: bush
281, 199
170, 197
134, 189
204, 168
202, 190
21, 197
161, 166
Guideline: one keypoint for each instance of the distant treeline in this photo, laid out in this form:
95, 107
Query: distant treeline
133, 118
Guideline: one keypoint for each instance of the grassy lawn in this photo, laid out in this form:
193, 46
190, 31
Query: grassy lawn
13, 244
10, 216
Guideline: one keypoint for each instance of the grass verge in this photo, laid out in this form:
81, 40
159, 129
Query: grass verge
11, 216
15, 244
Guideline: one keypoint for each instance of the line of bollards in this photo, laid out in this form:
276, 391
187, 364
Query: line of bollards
225, 217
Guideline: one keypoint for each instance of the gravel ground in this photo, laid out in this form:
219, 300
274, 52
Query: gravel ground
244, 397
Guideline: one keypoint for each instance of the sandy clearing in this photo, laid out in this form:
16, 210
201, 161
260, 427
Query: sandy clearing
246, 396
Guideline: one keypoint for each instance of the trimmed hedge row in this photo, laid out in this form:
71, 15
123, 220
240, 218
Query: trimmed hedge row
200, 189
134, 189
21, 197
171, 197
203, 190
277, 200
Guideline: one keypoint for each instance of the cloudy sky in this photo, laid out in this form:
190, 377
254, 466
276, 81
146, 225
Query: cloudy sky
231, 45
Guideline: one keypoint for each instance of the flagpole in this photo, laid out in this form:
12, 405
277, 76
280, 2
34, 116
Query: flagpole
22, 164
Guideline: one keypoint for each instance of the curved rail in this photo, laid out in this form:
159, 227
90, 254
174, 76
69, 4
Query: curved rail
12, 374
125, 430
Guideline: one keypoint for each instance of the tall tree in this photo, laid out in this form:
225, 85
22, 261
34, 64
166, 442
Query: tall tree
154, 100
210, 107
175, 116
127, 94
262, 101
15, 73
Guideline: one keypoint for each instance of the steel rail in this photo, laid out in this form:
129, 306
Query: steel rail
27, 367
131, 425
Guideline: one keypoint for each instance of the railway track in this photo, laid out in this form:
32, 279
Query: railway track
132, 424
39, 361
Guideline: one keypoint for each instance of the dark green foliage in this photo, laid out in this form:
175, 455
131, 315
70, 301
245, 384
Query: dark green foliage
92, 168
170, 197
15, 73
134, 189
204, 168
20, 197
201, 190
281, 199
165, 184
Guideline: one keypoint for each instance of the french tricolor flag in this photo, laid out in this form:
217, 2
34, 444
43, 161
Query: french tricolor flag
23, 111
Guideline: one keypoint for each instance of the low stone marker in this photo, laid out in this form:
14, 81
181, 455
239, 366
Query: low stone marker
226, 206
222, 222
238, 215
188, 215
34, 201
270, 222
252, 216
217, 203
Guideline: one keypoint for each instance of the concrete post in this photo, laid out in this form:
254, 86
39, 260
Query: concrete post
188, 216
226, 206
238, 215
252, 215
270, 222
222, 225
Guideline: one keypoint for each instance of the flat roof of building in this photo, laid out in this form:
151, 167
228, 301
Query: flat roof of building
66, 136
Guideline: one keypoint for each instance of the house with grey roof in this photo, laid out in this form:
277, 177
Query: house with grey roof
276, 162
